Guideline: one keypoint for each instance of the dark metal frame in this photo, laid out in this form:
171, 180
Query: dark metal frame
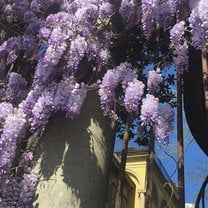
201, 195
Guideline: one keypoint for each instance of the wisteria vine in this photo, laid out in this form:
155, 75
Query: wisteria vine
48, 49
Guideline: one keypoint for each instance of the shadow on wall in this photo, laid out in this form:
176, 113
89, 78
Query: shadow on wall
74, 160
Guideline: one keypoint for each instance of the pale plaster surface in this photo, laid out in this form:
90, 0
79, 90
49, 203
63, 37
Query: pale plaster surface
74, 160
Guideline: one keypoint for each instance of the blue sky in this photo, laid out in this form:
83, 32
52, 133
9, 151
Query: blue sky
196, 164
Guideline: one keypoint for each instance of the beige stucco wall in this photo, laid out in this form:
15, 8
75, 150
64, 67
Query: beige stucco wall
74, 160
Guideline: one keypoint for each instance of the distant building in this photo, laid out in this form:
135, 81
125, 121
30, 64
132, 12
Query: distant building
164, 190
189, 205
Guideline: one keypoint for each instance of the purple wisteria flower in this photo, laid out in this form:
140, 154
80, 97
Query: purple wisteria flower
69, 96
88, 13
130, 12
11, 48
181, 58
177, 32
154, 80
133, 95
44, 33
150, 10
106, 9
164, 124
43, 73
77, 51
14, 129
29, 184
149, 110
107, 89
6, 109
42, 109
27, 156
166, 14
121, 74
10, 193
3, 47
31, 99
16, 89
55, 47
199, 24
18, 6
180, 45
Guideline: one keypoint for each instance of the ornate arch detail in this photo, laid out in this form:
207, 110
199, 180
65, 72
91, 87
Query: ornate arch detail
135, 175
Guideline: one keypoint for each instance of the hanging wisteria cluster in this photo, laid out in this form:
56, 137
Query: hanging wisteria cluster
48, 46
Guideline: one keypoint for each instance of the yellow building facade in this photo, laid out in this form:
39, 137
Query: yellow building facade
164, 191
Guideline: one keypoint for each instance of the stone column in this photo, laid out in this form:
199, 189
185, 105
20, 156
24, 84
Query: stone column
74, 160
142, 198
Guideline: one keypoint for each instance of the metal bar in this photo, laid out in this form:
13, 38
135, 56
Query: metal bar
148, 201
181, 194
